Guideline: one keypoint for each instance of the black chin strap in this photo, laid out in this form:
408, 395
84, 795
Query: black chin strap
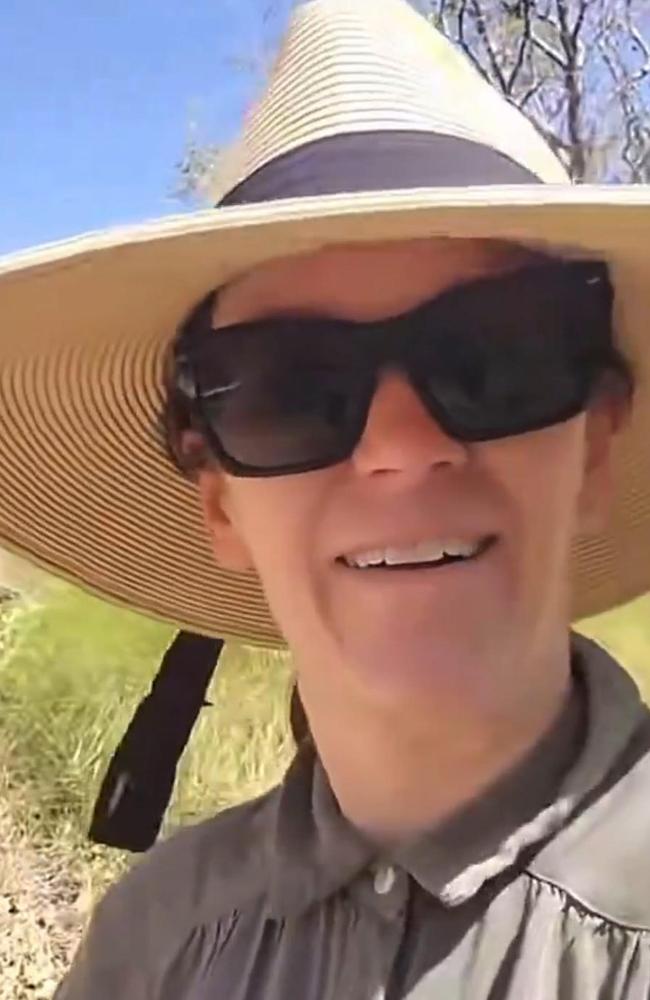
140, 778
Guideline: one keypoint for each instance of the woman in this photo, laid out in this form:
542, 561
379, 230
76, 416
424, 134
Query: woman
407, 419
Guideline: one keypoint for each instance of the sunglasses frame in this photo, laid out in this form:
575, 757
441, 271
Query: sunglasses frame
379, 343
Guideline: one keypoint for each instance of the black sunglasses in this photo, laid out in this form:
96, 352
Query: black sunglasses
489, 359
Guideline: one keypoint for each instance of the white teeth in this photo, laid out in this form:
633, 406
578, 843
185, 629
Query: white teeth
373, 558
424, 552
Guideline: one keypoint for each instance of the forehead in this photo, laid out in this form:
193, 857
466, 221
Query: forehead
367, 281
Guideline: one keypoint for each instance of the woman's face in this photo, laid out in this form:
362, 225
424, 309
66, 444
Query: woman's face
413, 634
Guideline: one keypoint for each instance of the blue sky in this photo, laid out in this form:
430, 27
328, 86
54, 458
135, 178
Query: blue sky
97, 100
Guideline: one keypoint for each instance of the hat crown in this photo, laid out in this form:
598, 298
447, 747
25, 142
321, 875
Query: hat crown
353, 66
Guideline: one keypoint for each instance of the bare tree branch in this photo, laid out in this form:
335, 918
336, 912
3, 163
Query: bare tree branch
483, 32
440, 12
626, 93
530, 93
525, 41
639, 40
553, 56
555, 141
577, 28
572, 83
464, 44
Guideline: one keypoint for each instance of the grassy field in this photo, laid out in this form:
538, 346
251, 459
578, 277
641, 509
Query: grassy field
72, 670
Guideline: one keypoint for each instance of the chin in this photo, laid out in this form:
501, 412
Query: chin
398, 669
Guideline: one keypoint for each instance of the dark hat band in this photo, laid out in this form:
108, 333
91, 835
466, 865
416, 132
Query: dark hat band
378, 161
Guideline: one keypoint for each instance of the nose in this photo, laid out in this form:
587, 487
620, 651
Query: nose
401, 435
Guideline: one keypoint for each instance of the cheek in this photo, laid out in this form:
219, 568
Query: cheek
277, 520
541, 475
268, 521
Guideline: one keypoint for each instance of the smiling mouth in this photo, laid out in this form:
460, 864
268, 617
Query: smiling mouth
446, 560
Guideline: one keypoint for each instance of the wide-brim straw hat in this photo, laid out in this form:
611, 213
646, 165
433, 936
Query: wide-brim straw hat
372, 127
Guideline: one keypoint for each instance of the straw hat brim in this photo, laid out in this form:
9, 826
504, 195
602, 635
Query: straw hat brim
86, 490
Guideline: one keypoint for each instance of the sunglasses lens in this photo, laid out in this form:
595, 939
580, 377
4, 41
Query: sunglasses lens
515, 384
519, 355
491, 359
273, 404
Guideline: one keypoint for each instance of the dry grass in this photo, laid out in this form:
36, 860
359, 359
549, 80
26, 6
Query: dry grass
43, 908
72, 670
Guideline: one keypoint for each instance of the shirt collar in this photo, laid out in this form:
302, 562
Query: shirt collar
313, 850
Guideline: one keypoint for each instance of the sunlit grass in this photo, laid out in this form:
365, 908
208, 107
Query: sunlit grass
625, 632
72, 671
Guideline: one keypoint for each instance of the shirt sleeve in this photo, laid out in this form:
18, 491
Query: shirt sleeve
111, 961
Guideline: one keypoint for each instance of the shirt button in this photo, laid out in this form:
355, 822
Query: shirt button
384, 880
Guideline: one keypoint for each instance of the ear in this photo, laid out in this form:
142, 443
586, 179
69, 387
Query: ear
229, 547
603, 420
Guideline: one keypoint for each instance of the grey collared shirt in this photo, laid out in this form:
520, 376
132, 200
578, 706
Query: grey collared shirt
538, 890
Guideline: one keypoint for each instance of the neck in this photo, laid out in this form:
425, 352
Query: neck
398, 772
